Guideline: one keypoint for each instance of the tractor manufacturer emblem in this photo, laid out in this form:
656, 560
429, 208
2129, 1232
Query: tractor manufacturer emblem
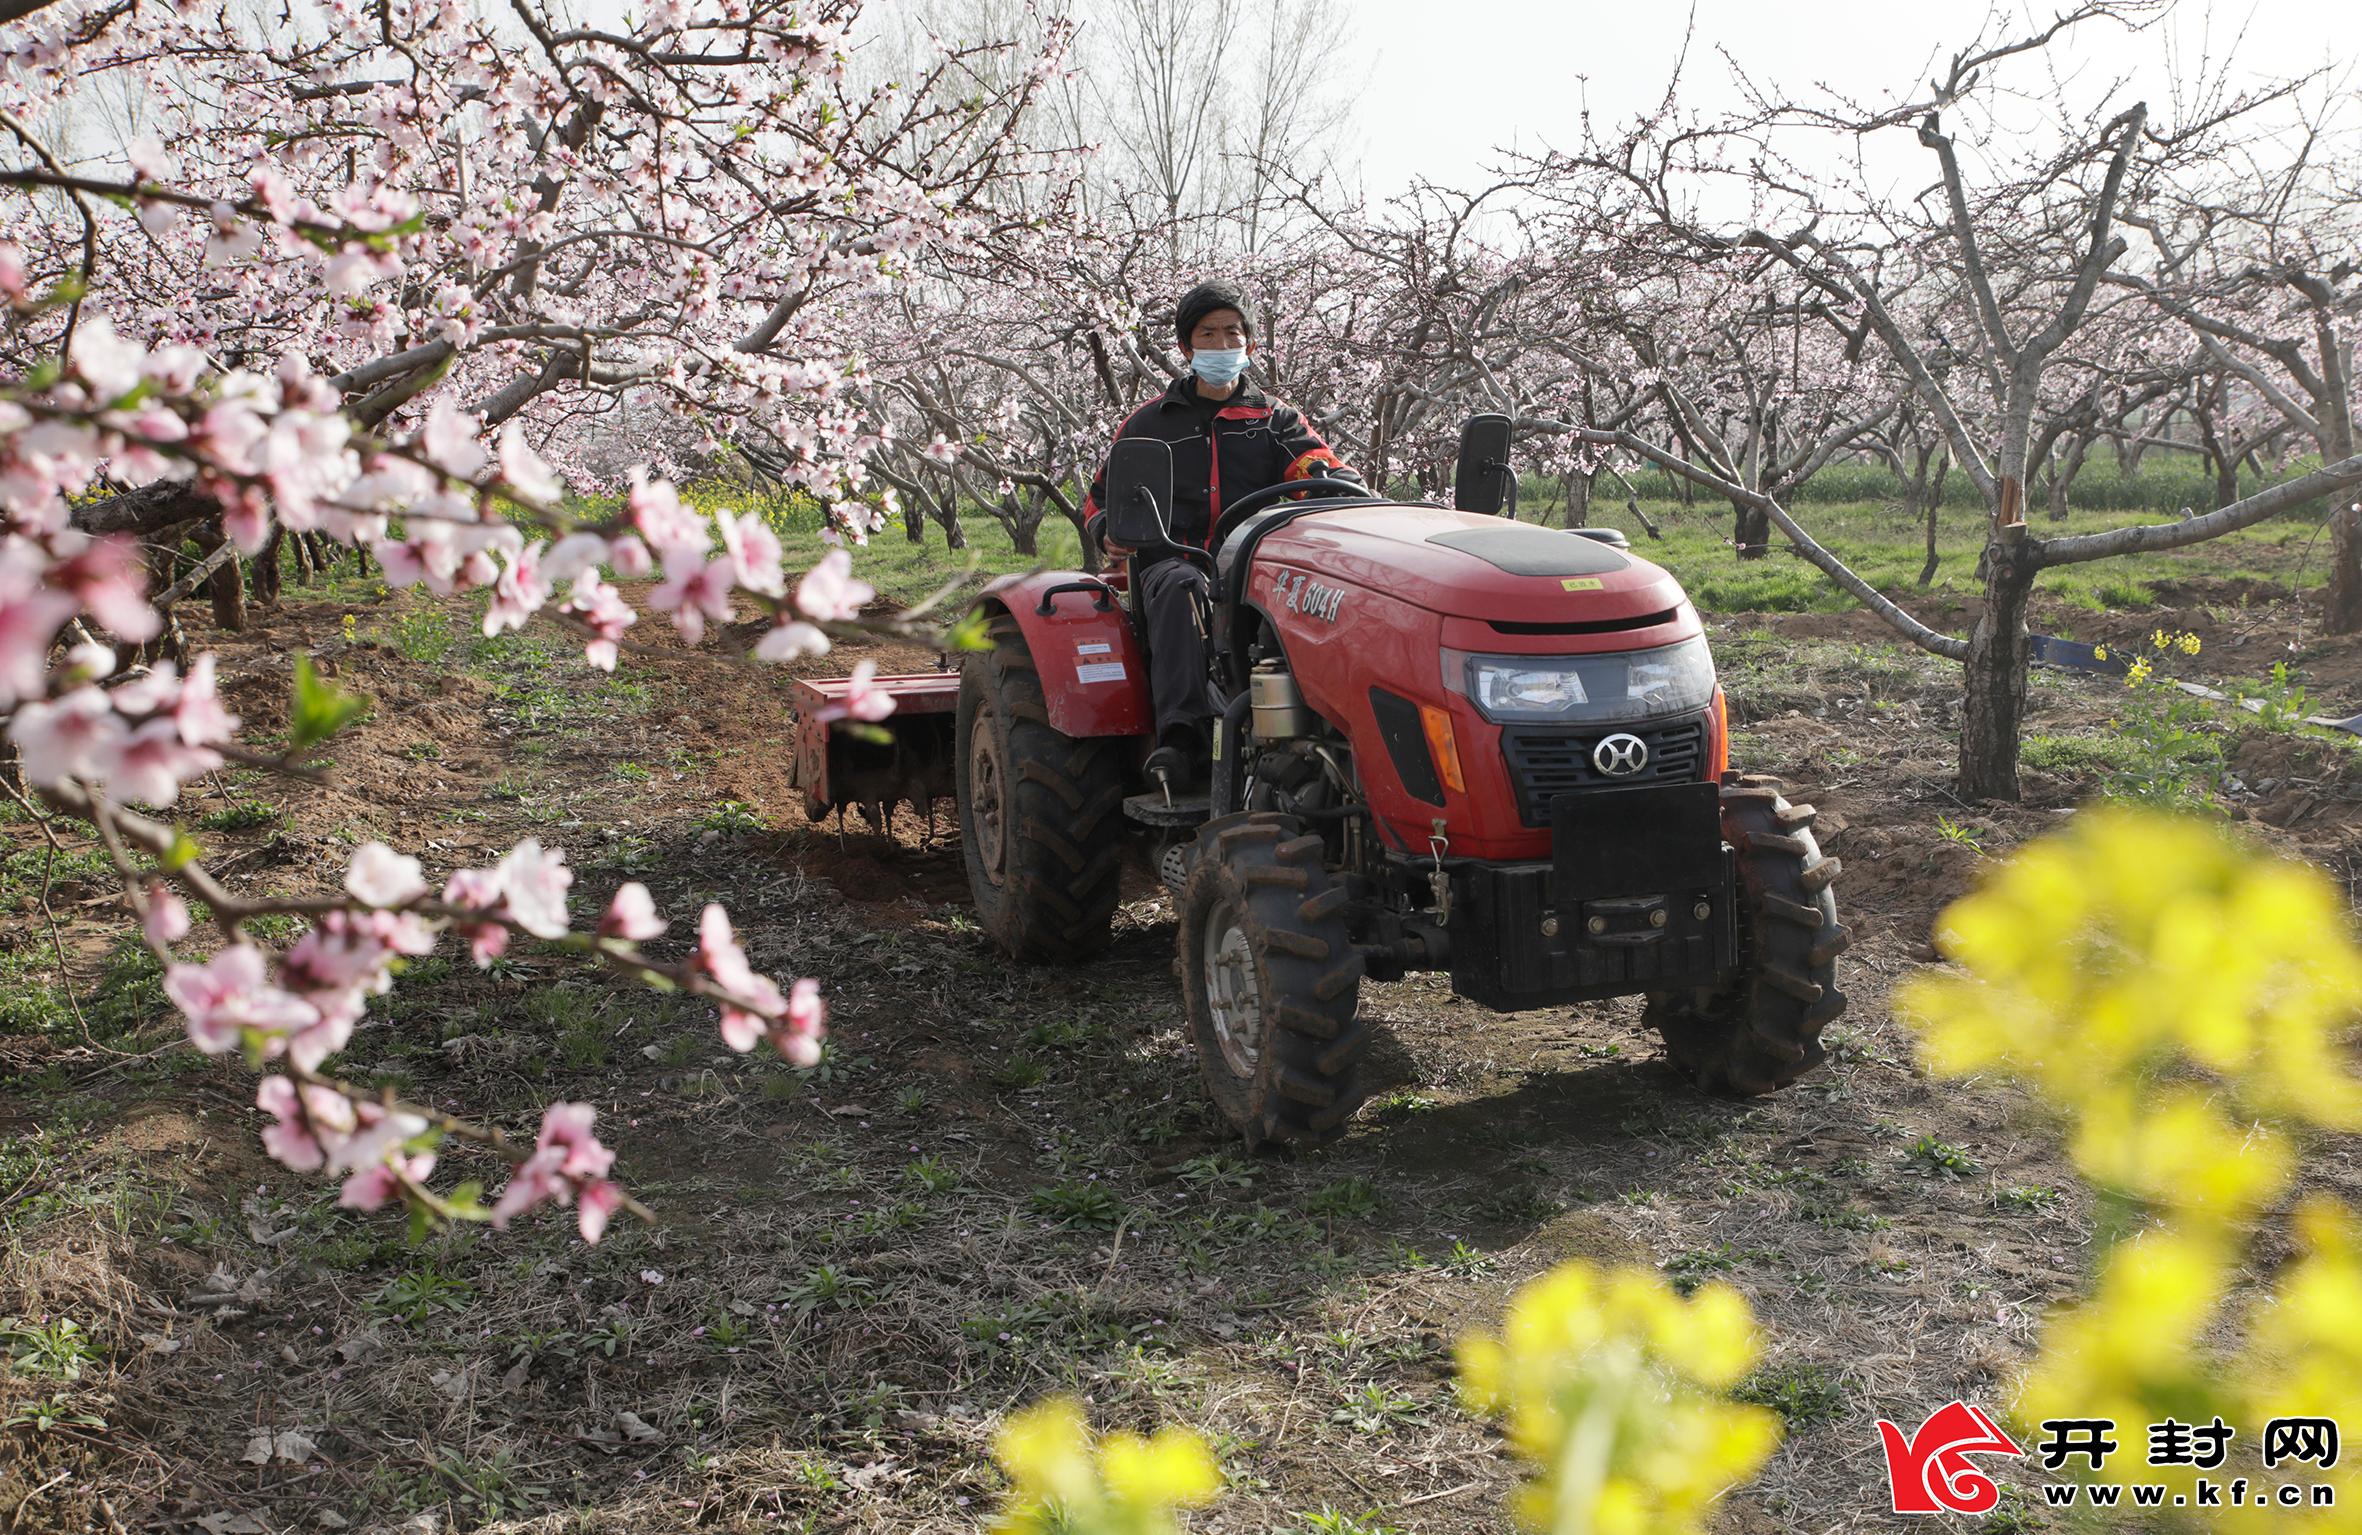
1620, 755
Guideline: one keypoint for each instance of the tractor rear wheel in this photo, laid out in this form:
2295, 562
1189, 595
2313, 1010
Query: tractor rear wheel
1270, 980
1041, 813
1762, 1030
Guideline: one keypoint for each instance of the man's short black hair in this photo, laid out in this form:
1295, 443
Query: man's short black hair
1203, 300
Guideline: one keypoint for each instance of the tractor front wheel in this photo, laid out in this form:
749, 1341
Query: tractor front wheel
1041, 813
1270, 979
1762, 1030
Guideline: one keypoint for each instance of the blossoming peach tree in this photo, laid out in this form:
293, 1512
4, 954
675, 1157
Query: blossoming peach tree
391, 252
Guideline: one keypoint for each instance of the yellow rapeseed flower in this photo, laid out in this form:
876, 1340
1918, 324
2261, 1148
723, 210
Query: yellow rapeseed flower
2187, 643
1063, 1482
2304, 1355
2132, 1353
2137, 673
1605, 1381
2173, 1151
2135, 949
1170, 1467
2186, 1001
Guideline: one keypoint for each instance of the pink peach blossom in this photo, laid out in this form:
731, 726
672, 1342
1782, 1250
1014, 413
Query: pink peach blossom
631, 915
231, 995
68, 739
167, 919
534, 884
380, 876
829, 593
694, 589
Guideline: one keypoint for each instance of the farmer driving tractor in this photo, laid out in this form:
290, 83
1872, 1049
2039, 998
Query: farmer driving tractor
1252, 441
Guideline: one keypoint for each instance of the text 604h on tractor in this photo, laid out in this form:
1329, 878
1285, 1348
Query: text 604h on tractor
1448, 741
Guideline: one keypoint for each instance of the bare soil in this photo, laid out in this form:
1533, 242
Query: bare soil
1003, 1182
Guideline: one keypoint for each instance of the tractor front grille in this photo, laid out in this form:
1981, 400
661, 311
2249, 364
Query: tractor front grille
1546, 762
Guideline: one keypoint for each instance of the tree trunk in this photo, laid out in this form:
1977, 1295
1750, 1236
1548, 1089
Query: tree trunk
226, 586
2345, 522
1935, 504
1751, 531
946, 512
1023, 522
2219, 458
266, 568
2345, 570
914, 520
1993, 713
1074, 518
1914, 484
2062, 475
1577, 488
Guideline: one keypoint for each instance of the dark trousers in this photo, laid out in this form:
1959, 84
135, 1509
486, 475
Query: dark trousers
1175, 601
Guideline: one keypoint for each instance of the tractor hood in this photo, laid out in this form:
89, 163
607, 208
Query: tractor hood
1463, 565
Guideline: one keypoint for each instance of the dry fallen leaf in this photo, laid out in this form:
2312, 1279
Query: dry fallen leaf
287, 1444
232, 1524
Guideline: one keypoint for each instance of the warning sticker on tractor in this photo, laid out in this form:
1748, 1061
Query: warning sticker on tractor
1095, 648
1100, 671
1581, 584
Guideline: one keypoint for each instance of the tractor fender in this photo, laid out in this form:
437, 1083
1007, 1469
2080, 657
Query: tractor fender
1094, 677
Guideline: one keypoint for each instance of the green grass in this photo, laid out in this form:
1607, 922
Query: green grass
55, 1347
243, 815
906, 573
422, 634
537, 673
1872, 536
1931, 1158
2081, 756
1854, 509
24, 869
1802, 1394
1887, 549
2165, 485
126, 995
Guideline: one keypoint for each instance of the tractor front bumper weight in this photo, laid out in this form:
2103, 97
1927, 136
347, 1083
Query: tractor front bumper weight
1513, 946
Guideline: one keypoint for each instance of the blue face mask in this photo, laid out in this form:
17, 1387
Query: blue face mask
1218, 367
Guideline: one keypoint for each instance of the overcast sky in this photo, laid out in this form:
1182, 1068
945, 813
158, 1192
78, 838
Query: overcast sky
1449, 79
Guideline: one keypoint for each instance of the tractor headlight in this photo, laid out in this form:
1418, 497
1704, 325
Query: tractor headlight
1619, 686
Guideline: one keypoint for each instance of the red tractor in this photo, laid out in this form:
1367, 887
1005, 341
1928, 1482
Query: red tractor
1449, 742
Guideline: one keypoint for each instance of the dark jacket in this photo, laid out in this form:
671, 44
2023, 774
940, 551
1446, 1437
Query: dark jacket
1258, 441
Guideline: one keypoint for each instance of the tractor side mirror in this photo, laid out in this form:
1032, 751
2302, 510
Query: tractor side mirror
1139, 492
1481, 483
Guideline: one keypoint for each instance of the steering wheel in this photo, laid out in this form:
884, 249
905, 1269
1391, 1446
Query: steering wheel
1256, 500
